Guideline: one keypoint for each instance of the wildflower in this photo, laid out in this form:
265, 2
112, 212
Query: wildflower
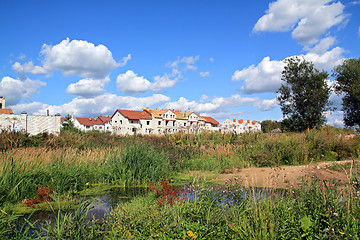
335, 214
191, 234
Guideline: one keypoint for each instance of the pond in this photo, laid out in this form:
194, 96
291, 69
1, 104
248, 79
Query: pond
109, 199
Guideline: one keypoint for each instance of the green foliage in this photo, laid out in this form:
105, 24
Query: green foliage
268, 125
138, 164
316, 211
304, 96
347, 77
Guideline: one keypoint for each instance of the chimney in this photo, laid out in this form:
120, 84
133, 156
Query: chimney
241, 121
234, 120
248, 121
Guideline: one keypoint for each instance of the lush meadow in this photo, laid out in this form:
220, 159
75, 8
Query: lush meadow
67, 164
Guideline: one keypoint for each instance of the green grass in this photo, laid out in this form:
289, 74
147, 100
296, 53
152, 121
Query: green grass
74, 159
318, 210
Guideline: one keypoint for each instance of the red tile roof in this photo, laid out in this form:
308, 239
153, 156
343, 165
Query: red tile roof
6, 111
134, 115
210, 120
105, 119
89, 121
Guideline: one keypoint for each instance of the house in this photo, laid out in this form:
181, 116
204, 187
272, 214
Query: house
210, 124
240, 126
188, 121
27, 123
129, 122
100, 123
3, 110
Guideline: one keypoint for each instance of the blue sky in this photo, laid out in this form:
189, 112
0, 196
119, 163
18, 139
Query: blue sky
219, 58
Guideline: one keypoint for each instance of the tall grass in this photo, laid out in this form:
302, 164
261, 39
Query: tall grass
71, 160
316, 211
69, 170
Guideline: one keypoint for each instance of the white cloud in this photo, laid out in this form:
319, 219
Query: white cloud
203, 98
211, 59
15, 89
307, 19
131, 83
21, 57
205, 74
105, 104
162, 82
74, 57
327, 60
88, 87
322, 46
185, 63
266, 76
221, 104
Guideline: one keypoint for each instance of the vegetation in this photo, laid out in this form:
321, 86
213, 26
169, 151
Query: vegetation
304, 96
347, 77
268, 126
317, 210
37, 169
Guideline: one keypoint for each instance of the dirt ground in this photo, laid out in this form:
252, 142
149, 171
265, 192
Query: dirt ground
281, 177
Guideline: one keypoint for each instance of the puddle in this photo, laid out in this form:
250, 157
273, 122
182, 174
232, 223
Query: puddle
118, 195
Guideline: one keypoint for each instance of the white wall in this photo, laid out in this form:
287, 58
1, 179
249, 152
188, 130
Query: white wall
30, 124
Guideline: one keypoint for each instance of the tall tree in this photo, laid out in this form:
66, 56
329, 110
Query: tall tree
347, 77
304, 96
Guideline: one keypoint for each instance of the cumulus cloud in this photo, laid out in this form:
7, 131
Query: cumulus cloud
266, 76
211, 59
162, 82
131, 83
205, 74
221, 104
104, 104
203, 98
184, 63
307, 19
88, 87
16, 89
74, 57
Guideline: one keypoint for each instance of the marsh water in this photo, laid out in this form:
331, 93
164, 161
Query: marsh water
111, 198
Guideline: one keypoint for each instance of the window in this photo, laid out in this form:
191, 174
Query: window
100, 127
120, 121
132, 121
116, 121
184, 124
159, 123
87, 127
147, 122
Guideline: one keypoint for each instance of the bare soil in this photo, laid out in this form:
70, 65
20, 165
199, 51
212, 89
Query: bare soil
281, 177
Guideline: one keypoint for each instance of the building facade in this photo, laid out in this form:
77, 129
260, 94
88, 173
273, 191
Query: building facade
240, 126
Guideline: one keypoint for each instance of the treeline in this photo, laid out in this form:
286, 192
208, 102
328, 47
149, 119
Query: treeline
305, 92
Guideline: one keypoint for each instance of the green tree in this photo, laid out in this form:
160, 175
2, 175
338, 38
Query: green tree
268, 125
347, 77
68, 124
304, 96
